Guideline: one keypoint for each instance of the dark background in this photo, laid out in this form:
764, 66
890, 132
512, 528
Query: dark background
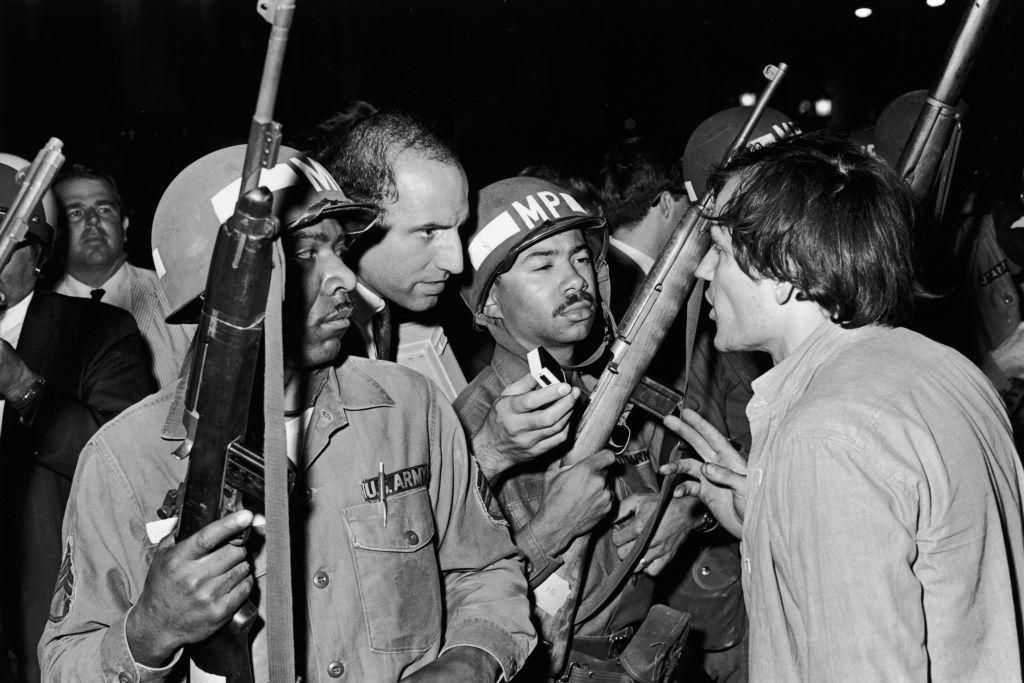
144, 87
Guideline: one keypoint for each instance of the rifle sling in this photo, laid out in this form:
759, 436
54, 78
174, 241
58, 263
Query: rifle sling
668, 485
280, 629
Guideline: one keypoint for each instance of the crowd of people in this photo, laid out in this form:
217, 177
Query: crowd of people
850, 496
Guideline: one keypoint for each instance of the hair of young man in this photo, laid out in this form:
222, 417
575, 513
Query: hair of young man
632, 176
579, 187
837, 223
364, 162
83, 172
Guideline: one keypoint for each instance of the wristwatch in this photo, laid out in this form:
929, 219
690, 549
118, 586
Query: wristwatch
24, 401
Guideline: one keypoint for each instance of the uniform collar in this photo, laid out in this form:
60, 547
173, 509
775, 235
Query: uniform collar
347, 386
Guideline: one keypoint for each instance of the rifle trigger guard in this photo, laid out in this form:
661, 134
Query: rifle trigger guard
619, 438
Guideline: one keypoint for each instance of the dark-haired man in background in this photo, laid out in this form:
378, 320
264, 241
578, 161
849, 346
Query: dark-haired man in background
396, 161
97, 265
66, 367
880, 507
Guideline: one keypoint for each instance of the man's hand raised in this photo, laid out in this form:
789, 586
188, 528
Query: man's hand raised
525, 422
721, 480
192, 589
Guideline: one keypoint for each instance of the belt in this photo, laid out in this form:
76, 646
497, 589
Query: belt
603, 647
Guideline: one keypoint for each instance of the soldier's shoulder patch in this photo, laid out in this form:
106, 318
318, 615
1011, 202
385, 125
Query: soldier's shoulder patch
64, 590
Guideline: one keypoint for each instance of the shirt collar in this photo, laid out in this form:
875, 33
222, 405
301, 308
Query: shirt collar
787, 380
365, 303
643, 260
115, 288
347, 386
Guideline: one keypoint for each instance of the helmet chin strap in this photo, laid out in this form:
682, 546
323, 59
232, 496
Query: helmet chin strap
504, 339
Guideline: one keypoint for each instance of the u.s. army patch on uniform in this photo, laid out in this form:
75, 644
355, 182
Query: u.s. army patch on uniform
64, 591
414, 477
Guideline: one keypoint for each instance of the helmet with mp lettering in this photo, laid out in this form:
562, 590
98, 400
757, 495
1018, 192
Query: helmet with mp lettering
513, 215
710, 141
203, 196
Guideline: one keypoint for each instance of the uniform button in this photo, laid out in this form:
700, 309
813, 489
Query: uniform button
1007, 298
125, 677
335, 669
704, 571
327, 415
309, 493
320, 579
411, 538
746, 564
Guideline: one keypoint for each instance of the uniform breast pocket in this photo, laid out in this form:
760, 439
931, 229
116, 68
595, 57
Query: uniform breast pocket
396, 570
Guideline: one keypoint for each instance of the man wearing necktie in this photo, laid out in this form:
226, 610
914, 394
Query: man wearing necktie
96, 266
66, 367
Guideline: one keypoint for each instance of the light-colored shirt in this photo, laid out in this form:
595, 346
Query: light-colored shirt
11, 322
138, 291
116, 288
643, 260
883, 535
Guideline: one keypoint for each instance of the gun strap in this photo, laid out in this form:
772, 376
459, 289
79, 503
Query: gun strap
614, 584
280, 630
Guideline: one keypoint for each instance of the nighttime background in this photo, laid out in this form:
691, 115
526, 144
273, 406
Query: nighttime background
144, 87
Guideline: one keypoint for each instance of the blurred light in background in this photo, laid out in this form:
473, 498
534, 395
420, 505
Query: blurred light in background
747, 99
862, 12
823, 106
935, 3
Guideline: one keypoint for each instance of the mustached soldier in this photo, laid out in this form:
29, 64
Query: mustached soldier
537, 275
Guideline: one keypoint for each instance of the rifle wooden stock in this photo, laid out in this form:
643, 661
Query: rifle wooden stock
218, 396
639, 335
34, 180
921, 161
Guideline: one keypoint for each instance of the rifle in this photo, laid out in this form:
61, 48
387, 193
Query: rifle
931, 148
224, 474
638, 337
34, 181
226, 466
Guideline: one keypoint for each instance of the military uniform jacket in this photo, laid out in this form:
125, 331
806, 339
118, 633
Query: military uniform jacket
381, 601
520, 494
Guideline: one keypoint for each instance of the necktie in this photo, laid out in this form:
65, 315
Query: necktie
382, 334
97, 294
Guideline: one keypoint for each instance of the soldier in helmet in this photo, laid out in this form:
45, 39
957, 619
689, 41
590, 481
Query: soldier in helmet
66, 367
407, 575
538, 278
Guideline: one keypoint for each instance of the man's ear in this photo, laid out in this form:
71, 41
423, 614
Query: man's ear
125, 222
785, 292
666, 203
